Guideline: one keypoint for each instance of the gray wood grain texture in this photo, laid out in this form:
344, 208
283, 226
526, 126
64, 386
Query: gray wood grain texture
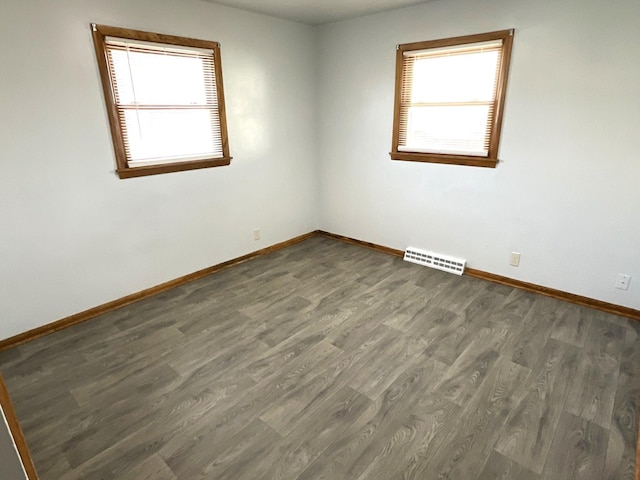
579, 450
331, 361
499, 467
532, 424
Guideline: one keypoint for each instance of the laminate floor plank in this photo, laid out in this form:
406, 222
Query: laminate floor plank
592, 391
230, 457
240, 410
152, 468
480, 315
191, 359
456, 296
471, 367
467, 446
519, 302
271, 361
420, 428
532, 424
412, 313
572, 325
352, 453
124, 455
125, 417
535, 329
499, 467
359, 329
397, 287
579, 450
378, 372
289, 458
326, 360
340, 370
621, 452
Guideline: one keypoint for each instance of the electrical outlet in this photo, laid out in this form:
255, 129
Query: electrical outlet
256, 234
622, 281
515, 259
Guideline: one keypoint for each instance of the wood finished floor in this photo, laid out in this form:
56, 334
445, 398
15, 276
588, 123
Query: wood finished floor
330, 361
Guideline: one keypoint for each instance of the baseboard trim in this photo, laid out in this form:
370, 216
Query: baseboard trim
511, 282
121, 302
554, 293
362, 243
16, 432
146, 293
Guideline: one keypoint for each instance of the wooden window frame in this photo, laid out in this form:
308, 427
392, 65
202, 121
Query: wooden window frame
491, 159
100, 32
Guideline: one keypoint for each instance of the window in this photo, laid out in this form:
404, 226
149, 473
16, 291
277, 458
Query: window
449, 99
165, 101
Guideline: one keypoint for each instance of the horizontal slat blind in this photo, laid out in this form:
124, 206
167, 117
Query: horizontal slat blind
166, 101
448, 99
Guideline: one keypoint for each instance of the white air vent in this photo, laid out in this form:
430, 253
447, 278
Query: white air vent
435, 260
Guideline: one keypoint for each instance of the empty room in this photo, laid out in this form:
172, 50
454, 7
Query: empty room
319, 239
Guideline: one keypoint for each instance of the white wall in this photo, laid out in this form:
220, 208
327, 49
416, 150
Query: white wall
10, 462
566, 193
74, 236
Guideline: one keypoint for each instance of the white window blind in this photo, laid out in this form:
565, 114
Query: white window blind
166, 101
448, 99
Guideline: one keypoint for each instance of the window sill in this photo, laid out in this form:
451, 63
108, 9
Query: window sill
447, 159
171, 167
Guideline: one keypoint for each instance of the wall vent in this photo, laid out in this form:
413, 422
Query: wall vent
435, 260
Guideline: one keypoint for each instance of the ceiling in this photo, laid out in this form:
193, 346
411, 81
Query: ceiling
317, 12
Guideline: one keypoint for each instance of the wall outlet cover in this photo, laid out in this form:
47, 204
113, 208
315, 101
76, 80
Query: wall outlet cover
622, 281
